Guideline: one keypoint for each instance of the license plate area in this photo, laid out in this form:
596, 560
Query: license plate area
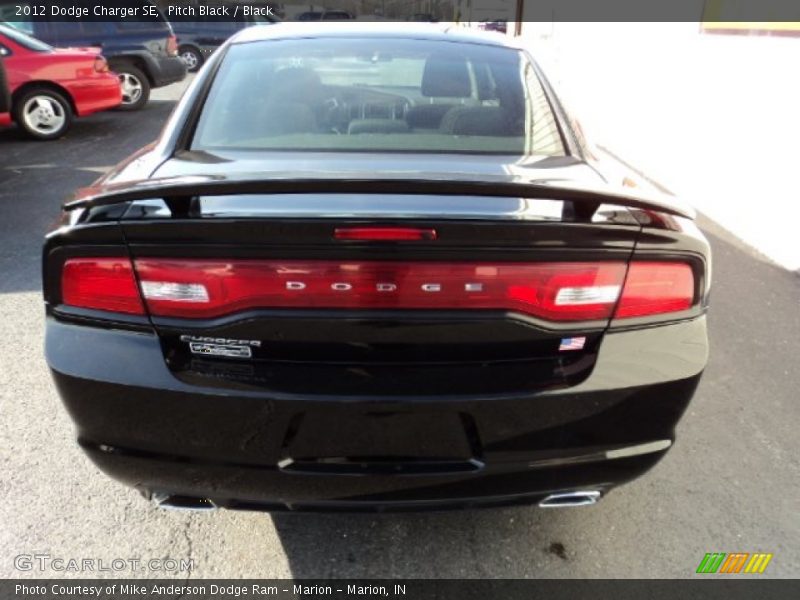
382, 442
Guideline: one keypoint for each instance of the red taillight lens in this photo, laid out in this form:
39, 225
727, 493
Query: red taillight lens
102, 284
172, 45
195, 288
656, 287
384, 234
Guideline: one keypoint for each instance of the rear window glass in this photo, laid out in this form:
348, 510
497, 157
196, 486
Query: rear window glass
9, 15
377, 95
24, 40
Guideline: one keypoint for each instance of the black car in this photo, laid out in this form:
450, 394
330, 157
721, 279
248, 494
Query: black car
198, 39
325, 15
143, 52
373, 268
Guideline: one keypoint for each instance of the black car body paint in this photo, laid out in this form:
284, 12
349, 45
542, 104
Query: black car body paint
371, 408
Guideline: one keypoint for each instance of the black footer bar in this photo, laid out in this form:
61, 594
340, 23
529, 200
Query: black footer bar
703, 587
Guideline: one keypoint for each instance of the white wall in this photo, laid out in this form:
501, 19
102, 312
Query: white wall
714, 118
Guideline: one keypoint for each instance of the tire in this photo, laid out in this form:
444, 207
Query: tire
135, 87
43, 113
191, 57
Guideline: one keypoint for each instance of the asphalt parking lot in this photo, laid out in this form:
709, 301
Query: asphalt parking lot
731, 483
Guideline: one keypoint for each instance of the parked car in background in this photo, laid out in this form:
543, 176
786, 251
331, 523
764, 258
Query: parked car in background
373, 267
49, 86
143, 54
197, 39
500, 26
422, 18
325, 15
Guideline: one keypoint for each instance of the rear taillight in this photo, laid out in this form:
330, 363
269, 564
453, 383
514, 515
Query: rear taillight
209, 288
653, 288
101, 284
172, 46
197, 288
100, 65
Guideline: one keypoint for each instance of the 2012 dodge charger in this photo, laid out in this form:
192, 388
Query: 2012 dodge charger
373, 268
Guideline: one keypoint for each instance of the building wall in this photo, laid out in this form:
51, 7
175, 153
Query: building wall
712, 117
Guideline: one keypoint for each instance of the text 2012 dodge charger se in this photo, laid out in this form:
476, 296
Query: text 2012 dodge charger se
373, 268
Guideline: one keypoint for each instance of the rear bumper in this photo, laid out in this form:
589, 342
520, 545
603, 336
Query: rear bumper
98, 93
249, 487
148, 429
167, 70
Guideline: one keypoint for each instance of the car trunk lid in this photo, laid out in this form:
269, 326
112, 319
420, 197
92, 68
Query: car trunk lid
299, 283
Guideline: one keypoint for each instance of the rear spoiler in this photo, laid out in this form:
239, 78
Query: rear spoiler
180, 192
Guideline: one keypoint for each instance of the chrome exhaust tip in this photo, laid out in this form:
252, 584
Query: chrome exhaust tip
183, 503
569, 499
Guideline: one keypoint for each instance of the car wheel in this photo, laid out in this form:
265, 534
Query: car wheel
191, 57
135, 87
43, 114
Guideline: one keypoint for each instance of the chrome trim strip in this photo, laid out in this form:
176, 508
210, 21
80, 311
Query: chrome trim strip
625, 452
639, 449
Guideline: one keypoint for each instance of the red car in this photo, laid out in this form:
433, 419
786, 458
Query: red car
50, 86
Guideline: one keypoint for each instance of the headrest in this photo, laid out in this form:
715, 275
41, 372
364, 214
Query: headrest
446, 76
427, 116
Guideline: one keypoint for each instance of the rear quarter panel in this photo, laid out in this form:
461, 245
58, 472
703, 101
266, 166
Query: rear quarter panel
88, 90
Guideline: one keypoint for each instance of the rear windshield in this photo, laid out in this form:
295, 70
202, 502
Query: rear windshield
377, 95
24, 40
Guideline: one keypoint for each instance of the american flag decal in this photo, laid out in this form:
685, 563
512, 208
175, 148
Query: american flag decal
575, 343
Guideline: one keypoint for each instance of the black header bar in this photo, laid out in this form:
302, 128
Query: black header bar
463, 11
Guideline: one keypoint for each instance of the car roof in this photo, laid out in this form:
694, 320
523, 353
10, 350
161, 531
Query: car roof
445, 32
